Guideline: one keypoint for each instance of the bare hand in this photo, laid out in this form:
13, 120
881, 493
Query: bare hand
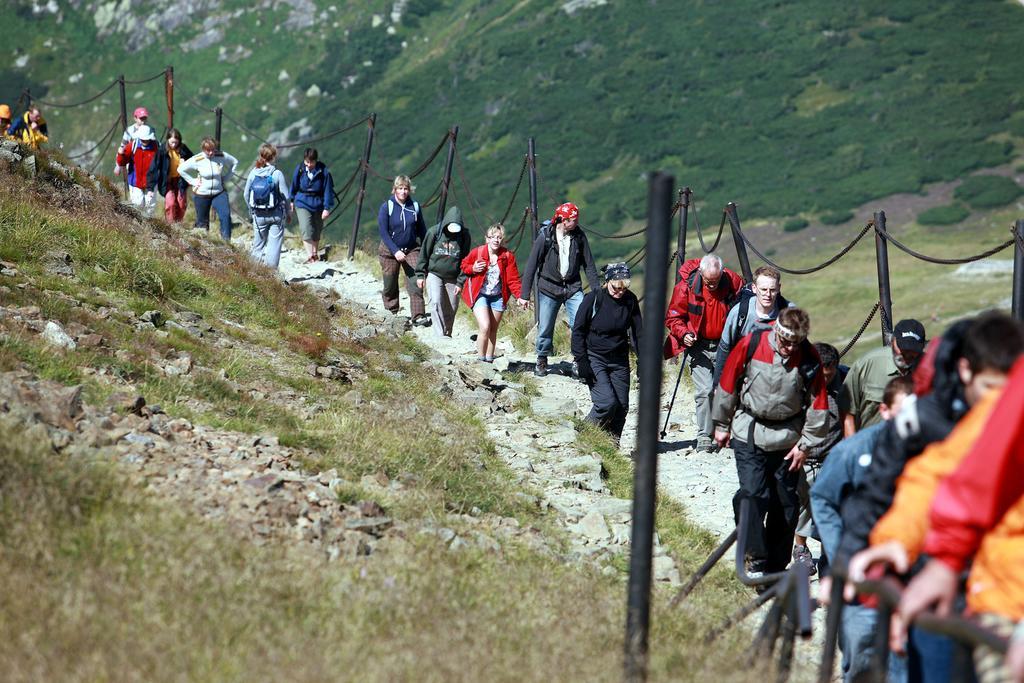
400, 256
689, 338
524, 303
324, 214
479, 266
825, 591
419, 282
722, 437
891, 554
457, 290
934, 585
796, 458
117, 169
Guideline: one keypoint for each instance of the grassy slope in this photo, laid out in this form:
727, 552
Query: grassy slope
785, 107
106, 582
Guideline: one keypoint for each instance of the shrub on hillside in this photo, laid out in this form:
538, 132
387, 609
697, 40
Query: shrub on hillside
836, 217
988, 191
943, 215
795, 224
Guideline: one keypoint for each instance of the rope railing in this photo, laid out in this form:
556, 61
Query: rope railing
474, 206
99, 159
141, 81
103, 139
515, 192
700, 233
945, 261
60, 105
864, 326
813, 269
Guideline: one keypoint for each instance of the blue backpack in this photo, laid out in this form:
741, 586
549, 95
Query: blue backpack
263, 194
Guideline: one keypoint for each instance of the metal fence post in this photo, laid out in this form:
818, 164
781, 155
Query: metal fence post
638, 605
219, 114
370, 124
531, 153
124, 125
1018, 270
453, 135
684, 215
169, 95
737, 239
882, 260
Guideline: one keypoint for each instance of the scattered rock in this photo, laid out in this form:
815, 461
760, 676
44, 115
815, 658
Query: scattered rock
155, 318
58, 263
593, 526
55, 335
375, 526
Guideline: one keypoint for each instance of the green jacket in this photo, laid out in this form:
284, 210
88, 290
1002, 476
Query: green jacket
441, 254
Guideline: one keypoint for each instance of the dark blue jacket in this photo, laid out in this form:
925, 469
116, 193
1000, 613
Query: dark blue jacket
314, 194
404, 228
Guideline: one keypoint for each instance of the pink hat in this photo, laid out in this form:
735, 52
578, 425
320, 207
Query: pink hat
141, 113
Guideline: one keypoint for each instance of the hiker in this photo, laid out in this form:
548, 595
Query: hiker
992, 344
862, 389
402, 229
211, 168
440, 267
493, 277
756, 308
266, 195
141, 117
695, 319
558, 254
138, 158
771, 403
5, 121
607, 323
833, 374
978, 513
312, 196
163, 175
30, 130
840, 474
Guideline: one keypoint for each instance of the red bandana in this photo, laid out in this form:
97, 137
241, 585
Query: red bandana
566, 212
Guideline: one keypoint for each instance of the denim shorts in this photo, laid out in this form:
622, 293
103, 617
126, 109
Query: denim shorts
495, 302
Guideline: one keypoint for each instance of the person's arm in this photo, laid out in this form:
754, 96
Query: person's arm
384, 225
154, 174
581, 327
229, 166
328, 191
832, 485
515, 285
464, 248
815, 427
421, 226
185, 169
677, 318
637, 326
428, 246
726, 395
468, 263
531, 265
294, 190
850, 398
248, 185
588, 265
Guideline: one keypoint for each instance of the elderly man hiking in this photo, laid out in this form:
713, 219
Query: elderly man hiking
773, 405
695, 320
560, 251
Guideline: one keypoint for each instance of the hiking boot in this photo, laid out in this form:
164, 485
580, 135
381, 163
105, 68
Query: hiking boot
756, 569
422, 320
705, 443
802, 553
541, 368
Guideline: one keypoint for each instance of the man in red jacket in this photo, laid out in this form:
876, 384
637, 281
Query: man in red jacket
695, 319
138, 156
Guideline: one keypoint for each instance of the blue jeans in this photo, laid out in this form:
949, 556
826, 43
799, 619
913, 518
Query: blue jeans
221, 205
268, 233
856, 641
547, 313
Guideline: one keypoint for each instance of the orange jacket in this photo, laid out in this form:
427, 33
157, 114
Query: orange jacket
979, 510
907, 518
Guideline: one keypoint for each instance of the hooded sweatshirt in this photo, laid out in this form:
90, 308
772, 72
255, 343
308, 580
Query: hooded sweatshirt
442, 252
402, 228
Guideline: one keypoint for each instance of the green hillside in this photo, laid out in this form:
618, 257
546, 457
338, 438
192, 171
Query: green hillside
807, 107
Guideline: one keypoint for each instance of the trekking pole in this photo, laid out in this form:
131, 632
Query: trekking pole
682, 364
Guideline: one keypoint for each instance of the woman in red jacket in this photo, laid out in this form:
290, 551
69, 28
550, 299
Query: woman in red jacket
493, 278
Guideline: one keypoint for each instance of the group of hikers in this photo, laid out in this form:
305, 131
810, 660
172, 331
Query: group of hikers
906, 463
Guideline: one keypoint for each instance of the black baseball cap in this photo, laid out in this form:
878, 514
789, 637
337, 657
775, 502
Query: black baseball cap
909, 335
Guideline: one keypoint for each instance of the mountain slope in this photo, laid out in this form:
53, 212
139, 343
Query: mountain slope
785, 108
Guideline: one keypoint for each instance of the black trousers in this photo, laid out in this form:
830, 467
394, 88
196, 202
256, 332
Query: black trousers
609, 393
766, 481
